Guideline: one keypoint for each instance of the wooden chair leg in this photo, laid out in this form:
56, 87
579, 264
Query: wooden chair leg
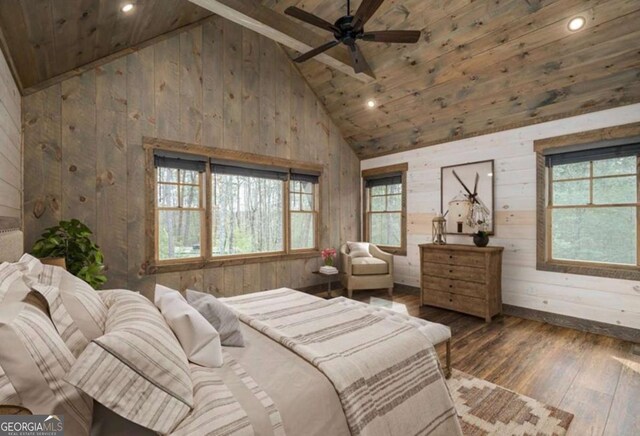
390, 291
350, 293
447, 372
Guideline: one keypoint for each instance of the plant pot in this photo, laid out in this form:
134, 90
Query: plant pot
481, 240
55, 261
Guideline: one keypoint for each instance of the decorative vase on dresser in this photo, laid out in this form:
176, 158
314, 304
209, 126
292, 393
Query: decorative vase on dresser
463, 278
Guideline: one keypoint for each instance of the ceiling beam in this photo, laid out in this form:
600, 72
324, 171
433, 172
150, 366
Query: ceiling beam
275, 26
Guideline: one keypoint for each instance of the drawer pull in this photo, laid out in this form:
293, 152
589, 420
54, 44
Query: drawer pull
450, 300
450, 271
450, 257
451, 286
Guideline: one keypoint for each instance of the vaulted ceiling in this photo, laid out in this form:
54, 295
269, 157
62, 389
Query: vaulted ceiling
48, 38
480, 66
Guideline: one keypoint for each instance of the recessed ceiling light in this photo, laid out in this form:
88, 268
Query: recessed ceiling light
371, 103
576, 23
128, 7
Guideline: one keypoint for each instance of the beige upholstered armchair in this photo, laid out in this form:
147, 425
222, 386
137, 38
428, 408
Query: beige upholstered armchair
374, 272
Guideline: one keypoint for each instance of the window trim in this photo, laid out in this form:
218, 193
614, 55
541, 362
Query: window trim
589, 139
153, 265
380, 171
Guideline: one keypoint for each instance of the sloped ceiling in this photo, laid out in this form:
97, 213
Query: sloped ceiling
481, 65
47, 38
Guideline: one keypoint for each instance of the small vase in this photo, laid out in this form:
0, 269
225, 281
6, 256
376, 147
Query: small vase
480, 240
328, 261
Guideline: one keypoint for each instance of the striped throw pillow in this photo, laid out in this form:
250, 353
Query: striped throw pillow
35, 359
137, 368
81, 304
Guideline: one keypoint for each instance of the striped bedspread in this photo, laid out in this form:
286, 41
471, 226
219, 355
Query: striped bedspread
386, 374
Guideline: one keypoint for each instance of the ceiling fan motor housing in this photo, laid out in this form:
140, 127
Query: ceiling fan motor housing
347, 34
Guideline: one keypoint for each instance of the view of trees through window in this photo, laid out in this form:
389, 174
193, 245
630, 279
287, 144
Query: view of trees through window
385, 215
302, 207
180, 213
247, 215
245, 210
594, 210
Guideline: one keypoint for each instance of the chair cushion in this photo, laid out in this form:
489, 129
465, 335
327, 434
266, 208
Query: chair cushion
367, 266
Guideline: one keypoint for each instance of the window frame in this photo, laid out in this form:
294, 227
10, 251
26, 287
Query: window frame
401, 168
154, 265
544, 185
202, 209
316, 216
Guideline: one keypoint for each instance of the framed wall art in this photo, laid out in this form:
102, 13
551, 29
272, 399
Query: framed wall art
466, 197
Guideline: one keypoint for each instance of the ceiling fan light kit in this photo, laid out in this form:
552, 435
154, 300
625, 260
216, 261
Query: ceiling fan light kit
350, 28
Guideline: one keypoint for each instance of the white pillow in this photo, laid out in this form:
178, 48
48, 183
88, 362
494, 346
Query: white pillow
199, 340
359, 249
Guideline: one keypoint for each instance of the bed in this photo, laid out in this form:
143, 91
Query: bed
282, 382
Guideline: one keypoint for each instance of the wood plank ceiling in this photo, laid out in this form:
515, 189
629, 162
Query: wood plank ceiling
48, 38
481, 65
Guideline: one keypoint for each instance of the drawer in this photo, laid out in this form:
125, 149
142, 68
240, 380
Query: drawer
468, 273
463, 287
460, 303
454, 257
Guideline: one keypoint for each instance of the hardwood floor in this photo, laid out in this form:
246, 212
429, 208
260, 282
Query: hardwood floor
595, 377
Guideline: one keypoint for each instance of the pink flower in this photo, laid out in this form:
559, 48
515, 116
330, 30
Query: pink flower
328, 253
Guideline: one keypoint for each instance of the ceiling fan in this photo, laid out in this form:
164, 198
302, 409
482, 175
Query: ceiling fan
349, 29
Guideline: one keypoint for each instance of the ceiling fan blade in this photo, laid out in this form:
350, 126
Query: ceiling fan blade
399, 36
316, 51
314, 20
365, 12
358, 61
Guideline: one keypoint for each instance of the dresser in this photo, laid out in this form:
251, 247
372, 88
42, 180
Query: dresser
464, 278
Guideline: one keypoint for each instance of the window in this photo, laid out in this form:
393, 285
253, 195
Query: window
385, 207
592, 208
180, 210
211, 208
303, 210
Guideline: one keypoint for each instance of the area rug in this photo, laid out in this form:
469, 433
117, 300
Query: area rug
488, 409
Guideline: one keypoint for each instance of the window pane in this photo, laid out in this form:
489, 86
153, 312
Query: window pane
178, 234
378, 190
615, 190
247, 215
168, 175
385, 229
307, 202
190, 196
167, 195
611, 167
189, 177
395, 189
571, 171
378, 204
295, 201
602, 234
567, 193
306, 187
295, 186
394, 202
302, 231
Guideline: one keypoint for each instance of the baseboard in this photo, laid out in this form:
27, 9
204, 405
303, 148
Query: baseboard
585, 325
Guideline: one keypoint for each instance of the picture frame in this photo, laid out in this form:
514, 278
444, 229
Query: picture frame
455, 194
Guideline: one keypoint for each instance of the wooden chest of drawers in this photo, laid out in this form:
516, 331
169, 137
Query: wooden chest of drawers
463, 278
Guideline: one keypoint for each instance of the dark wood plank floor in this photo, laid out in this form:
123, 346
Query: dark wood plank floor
595, 377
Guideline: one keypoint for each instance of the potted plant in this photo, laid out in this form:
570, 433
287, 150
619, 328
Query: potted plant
328, 256
481, 236
71, 240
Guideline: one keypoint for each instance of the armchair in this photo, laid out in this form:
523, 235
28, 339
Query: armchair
374, 272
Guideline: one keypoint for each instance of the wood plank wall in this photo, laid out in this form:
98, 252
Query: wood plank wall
218, 85
610, 301
10, 150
